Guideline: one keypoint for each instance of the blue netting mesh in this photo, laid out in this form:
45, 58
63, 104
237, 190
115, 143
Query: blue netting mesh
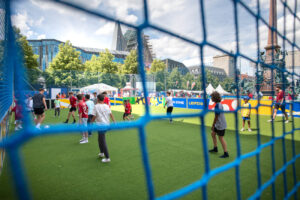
11, 69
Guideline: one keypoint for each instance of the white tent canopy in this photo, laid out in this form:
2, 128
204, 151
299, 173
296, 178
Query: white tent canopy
100, 87
210, 89
221, 90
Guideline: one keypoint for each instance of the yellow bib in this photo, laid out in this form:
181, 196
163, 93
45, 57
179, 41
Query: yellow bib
246, 111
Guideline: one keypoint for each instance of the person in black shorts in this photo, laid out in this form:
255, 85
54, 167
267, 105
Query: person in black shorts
219, 125
169, 104
73, 105
39, 106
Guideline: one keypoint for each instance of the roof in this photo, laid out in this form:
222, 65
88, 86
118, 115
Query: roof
86, 49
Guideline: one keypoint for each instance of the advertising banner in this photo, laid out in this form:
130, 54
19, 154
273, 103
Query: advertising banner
196, 103
179, 103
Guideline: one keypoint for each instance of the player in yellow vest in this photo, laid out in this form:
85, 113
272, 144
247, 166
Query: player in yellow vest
246, 112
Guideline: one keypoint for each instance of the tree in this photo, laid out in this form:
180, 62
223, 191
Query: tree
157, 65
29, 58
188, 80
93, 65
131, 64
227, 84
210, 79
106, 63
174, 80
160, 77
66, 65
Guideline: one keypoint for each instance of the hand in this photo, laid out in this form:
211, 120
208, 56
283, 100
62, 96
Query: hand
46, 108
212, 128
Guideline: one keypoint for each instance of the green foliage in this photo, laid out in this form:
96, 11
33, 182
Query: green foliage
227, 84
210, 79
30, 60
157, 65
188, 79
131, 64
160, 77
93, 65
106, 62
175, 80
66, 66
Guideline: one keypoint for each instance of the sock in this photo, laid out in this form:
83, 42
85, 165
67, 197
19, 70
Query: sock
226, 153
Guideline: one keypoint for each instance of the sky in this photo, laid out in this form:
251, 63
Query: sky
38, 19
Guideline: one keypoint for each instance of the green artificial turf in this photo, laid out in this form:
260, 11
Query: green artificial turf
58, 167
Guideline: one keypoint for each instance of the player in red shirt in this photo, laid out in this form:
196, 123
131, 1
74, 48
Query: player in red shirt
73, 104
127, 113
18, 115
83, 118
279, 104
106, 99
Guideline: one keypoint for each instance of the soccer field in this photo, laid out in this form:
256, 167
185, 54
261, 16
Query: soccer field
58, 167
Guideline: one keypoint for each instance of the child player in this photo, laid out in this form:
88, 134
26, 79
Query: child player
57, 106
169, 104
90, 104
127, 112
73, 108
219, 125
102, 113
279, 104
246, 112
83, 117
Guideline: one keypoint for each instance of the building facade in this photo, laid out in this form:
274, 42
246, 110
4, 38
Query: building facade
226, 63
217, 72
289, 61
47, 49
128, 42
171, 64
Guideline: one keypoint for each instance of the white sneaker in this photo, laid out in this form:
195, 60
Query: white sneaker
249, 129
242, 129
105, 160
84, 141
101, 155
270, 120
287, 121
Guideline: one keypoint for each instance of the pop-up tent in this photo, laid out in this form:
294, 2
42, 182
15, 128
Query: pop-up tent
100, 87
221, 90
209, 89
127, 91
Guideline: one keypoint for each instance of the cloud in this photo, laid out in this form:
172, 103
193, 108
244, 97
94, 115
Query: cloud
42, 36
105, 30
170, 47
40, 21
22, 21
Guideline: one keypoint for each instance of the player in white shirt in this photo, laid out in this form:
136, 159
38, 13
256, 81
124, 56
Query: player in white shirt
101, 115
169, 104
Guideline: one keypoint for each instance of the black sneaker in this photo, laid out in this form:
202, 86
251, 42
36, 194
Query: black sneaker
66, 121
225, 155
214, 150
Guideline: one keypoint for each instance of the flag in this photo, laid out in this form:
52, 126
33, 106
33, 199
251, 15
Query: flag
193, 85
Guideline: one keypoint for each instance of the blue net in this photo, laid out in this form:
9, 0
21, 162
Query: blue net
11, 69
